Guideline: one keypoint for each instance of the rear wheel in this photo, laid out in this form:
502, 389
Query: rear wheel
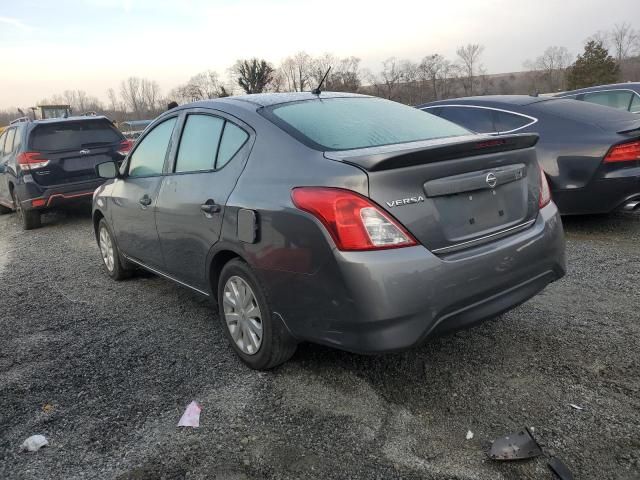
116, 267
260, 340
30, 219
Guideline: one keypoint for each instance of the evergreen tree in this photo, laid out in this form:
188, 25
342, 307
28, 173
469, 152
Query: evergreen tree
594, 67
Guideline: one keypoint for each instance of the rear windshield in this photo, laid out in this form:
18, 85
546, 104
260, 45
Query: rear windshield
74, 135
349, 123
583, 112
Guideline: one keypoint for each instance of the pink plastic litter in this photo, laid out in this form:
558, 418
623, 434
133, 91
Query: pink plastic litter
191, 416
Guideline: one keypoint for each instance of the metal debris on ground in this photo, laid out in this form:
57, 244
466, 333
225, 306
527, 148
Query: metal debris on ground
577, 407
516, 446
34, 443
558, 467
191, 416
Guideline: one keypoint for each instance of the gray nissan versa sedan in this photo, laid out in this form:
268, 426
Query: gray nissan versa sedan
341, 219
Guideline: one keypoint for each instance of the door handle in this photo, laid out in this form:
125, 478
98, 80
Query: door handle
209, 207
145, 201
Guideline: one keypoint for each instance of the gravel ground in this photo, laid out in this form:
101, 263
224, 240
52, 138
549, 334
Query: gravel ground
105, 369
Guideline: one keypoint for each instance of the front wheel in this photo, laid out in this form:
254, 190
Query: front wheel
115, 266
260, 340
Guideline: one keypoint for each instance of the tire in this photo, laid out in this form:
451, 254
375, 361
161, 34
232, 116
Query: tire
276, 345
112, 260
30, 219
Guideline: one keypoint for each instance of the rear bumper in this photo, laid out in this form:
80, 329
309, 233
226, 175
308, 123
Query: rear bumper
602, 195
37, 197
370, 302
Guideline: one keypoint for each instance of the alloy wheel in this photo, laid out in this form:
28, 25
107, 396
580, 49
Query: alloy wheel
106, 249
242, 315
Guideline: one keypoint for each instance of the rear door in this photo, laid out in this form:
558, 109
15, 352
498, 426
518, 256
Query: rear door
5, 198
73, 149
191, 203
134, 197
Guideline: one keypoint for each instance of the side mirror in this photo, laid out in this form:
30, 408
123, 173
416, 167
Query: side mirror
107, 170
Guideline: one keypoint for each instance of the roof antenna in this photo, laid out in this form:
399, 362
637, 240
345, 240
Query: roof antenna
317, 91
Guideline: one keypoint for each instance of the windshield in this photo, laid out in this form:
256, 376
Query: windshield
349, 123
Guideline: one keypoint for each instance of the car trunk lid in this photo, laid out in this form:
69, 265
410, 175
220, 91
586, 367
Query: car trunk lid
454, 193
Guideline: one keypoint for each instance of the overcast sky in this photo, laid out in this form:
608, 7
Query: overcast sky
50, 46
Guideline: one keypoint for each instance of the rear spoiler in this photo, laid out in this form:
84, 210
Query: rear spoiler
417, 153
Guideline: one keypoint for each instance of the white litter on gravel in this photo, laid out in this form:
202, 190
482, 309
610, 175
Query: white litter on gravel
191, 416
469, 434
34, 443
577, 407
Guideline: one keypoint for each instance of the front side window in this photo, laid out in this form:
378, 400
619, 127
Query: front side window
619, 99
148, 157
478, 120
199, 143
358, 122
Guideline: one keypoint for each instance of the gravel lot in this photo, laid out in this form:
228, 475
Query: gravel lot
104, 370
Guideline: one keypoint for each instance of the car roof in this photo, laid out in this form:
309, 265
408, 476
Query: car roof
70, 119
519, 100
270, 99
612, 86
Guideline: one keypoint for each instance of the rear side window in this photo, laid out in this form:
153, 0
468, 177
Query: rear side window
349, 123
74, 135
478, 120
3, 137
199, 143
8, 144
619, 99
148, 157
232, 140
507, 122
635, 104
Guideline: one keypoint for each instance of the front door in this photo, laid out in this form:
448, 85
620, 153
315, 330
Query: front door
192, 198
134, 197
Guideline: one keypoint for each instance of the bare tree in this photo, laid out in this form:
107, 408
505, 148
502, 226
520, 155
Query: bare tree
346, 76
253, 75
430, 70
297, 71
625, 41
113, 100
131, 93
391, 76
469, 56
551, 67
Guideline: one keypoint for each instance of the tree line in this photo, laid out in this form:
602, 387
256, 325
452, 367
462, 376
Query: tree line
608, 56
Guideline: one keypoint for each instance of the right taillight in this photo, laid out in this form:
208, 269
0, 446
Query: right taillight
545, 191
125, 147
354, 222
31, 160
625, 152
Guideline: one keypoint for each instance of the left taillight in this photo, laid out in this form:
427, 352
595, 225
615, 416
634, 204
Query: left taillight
31, 160
354, 221
125, 147
625, 152
545, 191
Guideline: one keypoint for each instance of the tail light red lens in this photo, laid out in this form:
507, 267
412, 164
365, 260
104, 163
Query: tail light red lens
31, 160
354, 221
545, 191
625, 152
125, 147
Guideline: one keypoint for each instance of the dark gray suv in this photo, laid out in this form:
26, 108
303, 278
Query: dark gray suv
340, 219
